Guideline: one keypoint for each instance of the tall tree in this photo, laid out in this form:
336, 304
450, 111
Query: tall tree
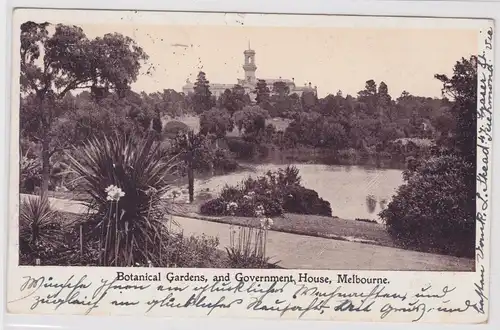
461, 88
368, 96
281, 89
216, 121
383, 97
202, 98
309, 100
262, 92
251, 121
234, 99
54, 64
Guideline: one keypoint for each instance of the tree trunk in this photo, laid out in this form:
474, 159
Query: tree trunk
45, 166
191, 179
45, 125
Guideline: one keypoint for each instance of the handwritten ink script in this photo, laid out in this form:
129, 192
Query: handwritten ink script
484, 140
291, 296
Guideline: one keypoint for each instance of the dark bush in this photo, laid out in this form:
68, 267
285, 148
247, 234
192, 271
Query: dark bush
276, 192
241, 148
272, 206
214, 207
29, 174
435, 210
230, 193
193, 252
173, 128
223, 161
298, 199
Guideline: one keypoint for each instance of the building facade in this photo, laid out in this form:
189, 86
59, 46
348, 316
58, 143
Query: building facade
250, 80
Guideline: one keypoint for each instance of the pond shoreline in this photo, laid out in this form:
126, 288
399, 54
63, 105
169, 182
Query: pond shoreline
354, 192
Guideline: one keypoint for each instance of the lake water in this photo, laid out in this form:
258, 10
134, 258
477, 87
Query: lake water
345, 187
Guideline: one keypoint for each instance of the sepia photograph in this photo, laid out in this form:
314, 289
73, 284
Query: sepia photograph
245, 146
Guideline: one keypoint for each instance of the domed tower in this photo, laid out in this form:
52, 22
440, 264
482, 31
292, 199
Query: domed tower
249, 66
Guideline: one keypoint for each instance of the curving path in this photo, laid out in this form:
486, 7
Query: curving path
307, 252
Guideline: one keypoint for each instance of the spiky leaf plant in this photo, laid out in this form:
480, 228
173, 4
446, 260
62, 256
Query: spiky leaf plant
39, 229
130, 226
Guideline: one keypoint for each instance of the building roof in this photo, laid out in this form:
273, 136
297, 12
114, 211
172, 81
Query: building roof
273, 80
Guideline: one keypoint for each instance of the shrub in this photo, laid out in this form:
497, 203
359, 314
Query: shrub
229, 193
174, 128
276, 192
366, 220
214, 207
246, 206
241, 148
272, 206
301, 200
223, 161
40, 232
132, 173
193, 252
435, 210
29, 174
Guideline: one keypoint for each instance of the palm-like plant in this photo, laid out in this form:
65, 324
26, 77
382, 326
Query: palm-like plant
191, 148
38, 225
130, 228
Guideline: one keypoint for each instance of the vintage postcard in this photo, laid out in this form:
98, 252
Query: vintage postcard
251, 166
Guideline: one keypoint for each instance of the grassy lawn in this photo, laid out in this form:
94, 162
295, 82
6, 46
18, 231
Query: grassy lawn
310, 225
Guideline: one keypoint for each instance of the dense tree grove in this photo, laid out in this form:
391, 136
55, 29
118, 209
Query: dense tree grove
371, 123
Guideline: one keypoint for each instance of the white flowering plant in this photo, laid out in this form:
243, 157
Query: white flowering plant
248, 245
126, 178
114, 193
266, 223
232, 207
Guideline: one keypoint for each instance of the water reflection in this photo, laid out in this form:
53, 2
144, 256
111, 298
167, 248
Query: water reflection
353, 191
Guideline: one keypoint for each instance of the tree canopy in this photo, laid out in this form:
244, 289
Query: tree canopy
53, 64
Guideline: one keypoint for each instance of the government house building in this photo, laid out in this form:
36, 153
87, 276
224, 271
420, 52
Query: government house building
250, 81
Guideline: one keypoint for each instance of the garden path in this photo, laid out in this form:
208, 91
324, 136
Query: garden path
307, 252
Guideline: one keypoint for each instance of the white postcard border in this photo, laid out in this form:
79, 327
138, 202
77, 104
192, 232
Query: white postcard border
415, 279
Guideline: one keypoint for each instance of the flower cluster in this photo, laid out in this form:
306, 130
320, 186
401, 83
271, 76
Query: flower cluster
250, 195
231, 207
266, 223
114, 193
259, 211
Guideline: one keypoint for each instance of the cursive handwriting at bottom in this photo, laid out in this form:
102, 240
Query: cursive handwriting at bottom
283, 299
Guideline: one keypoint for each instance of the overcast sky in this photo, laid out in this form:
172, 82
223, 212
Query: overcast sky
330, 57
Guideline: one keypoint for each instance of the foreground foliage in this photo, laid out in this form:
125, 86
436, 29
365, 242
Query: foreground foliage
126, 179
39, 228
179, 250
434, 210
